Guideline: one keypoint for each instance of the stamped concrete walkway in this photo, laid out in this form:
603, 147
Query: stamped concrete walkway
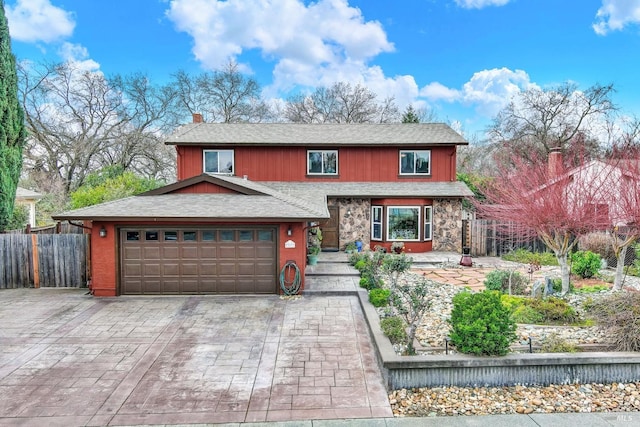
69, 359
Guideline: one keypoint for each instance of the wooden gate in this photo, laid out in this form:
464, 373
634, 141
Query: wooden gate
44, 260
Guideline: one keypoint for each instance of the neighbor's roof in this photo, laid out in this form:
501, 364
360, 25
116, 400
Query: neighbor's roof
24, 194
365, 134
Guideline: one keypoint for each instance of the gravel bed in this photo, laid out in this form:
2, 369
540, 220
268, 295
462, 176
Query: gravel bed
439, 401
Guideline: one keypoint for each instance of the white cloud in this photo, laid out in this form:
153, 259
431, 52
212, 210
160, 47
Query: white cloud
488, 91
304, 40
38, 21
437, 91
614, 15
78, 55
479, 4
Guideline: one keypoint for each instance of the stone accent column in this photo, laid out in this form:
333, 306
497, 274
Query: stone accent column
354, 219
447, 225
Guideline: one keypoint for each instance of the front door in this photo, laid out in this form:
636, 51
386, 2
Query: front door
331, 230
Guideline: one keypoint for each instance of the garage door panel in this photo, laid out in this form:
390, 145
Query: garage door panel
189, 269
152, 270
208, 252
198, 261
189, 252
170, 269
208, 269
226, 268
132, 253
151, 253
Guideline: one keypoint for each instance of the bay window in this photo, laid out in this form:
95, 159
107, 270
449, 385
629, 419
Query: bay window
403, 223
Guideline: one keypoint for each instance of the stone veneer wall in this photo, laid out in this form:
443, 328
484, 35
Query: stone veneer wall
353, 225
447, 225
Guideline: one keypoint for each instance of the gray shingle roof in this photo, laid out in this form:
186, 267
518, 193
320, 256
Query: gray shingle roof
405, 134
196, 207
374, 189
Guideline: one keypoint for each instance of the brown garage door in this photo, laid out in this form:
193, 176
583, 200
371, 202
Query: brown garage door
198, 261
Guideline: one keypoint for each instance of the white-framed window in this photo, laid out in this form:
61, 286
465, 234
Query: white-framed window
376, 222
322, 162
218, 161
403, 223
416, 162
428, 222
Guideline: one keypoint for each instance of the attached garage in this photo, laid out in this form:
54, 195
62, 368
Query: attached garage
173, 261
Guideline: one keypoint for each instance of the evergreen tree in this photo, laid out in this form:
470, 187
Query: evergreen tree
410, 116
12, 129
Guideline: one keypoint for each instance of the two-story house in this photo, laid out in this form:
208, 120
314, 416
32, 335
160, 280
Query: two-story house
247, 194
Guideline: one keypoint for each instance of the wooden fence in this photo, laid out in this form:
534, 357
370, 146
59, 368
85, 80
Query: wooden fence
493, 238
44, 260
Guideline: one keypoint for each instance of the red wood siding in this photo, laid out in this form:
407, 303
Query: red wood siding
105, 256
355, 164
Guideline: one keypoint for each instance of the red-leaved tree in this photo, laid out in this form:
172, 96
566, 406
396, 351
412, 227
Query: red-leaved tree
539, 199
625, 212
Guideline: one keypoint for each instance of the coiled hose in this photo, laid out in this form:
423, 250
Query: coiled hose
290, 278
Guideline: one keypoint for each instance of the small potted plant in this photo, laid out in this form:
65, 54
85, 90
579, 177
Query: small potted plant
397, 247
314, 245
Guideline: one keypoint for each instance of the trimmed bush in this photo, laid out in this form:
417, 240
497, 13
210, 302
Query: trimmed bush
379, 297
556, 344
554, 310
481, 324
524, 256
585, 264
498, 280
394, 328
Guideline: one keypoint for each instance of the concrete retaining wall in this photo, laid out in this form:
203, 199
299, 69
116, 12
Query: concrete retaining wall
513, 369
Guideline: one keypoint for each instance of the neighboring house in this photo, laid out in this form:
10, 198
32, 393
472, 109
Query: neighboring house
247, 195
28, 198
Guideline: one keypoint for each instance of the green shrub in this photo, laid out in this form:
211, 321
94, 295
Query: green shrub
591, 289
357, 256
394, 328
524, 256
585, 264
598, 243
556, 344
526, 314
554, 310
394, 266
360, 265
498, 280
481, 324
379, 297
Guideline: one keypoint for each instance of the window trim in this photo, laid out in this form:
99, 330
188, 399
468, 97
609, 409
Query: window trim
204, 161
414, 207
428, 225
323, 153
374, 222
414, 173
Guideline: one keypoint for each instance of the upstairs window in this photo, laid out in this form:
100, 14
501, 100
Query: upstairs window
324, 162
218, 161
415, 162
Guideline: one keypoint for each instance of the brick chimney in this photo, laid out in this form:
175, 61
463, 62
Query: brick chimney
555, 162
197, 118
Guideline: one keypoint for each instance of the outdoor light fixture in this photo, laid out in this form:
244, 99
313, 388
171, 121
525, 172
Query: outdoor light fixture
289, 231
103, 232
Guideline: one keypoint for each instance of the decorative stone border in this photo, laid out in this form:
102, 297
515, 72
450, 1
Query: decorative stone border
513, 369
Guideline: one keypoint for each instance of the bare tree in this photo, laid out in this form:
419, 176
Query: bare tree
562, 117
225, 96
341, 103
79, 121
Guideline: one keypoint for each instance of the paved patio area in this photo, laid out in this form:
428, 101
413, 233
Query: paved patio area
69, 359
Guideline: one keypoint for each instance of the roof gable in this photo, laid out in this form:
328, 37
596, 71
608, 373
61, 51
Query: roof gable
196, 181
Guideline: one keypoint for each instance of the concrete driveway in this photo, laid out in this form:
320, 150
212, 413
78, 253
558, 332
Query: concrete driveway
69, 359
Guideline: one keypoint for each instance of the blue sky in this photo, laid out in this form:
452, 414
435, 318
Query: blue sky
462, 58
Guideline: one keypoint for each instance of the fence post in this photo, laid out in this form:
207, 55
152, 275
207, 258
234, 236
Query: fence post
36, 261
